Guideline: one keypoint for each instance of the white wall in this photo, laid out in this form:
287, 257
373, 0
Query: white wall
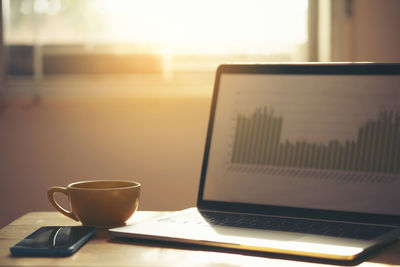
158, 142
377, 30
366, 30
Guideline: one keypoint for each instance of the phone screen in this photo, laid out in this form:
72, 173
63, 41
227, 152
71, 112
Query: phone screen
53, 241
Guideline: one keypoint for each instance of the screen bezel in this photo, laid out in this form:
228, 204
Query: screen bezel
292, 69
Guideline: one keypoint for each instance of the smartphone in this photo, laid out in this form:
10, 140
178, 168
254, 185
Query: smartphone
53, 241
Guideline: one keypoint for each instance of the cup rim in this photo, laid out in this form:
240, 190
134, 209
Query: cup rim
133, 184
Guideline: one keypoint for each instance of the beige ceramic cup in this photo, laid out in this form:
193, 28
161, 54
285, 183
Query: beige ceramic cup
100, 203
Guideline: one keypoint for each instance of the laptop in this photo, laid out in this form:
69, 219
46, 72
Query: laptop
300, 159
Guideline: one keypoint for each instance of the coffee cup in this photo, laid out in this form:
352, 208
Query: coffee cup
99, 203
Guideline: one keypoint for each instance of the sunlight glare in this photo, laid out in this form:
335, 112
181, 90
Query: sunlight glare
223, 26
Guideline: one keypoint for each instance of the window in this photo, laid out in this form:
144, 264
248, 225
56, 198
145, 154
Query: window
166, 37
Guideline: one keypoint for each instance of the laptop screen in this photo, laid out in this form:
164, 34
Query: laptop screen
317, 137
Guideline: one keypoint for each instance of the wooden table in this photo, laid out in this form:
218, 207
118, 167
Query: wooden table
102, 250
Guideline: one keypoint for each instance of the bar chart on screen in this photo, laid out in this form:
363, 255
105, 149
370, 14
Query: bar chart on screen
258, 144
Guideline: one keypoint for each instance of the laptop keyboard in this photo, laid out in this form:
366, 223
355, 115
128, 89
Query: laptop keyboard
326, 228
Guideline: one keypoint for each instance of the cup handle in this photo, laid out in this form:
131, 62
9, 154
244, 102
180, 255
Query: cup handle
50, 195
